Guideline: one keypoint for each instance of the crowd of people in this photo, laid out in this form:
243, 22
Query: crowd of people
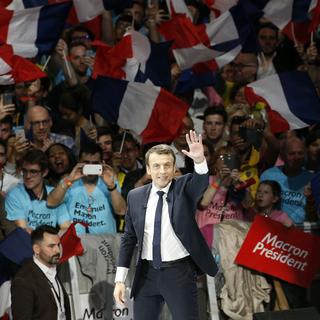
49, 132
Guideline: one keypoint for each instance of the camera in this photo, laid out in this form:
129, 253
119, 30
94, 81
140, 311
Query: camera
92, 169
251, 135
231, 161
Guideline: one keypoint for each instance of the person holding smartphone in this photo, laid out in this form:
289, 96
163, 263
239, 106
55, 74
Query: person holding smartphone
91, 193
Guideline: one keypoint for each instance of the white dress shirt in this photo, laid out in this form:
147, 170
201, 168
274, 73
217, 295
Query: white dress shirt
55, 286
171, 248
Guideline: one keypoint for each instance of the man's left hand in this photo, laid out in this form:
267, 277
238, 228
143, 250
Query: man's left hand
196, 152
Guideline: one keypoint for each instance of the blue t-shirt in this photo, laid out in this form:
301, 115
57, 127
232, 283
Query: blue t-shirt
95, 209
293, 200
20, 206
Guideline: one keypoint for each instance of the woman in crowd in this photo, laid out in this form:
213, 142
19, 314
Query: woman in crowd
61, 162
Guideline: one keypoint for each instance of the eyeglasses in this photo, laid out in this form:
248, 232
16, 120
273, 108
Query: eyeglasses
31, 172
240, 66
37, 124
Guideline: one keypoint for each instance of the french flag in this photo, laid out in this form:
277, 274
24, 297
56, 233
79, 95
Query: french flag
148, 111
33, 31
15, 69
178, 7
291, 99
296, 18
214, 44
134, 58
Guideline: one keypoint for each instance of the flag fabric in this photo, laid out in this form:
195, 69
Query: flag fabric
33, 31
17, 246
218, 7
15, 69
148, 111
188, 81
70, 244
25, 4
214, 44
178, 7
291, 98
134, 58
296, 18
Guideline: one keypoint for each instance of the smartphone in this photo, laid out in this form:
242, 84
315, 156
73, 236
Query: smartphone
231, 161
20, 133
7, 98
92, 169
251, 135
90, 53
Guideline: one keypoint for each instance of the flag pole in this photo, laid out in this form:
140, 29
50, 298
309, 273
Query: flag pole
66, 63
122, 141
293, 35
46, 63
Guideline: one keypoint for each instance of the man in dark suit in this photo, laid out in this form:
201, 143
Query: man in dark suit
171, 249
37, 294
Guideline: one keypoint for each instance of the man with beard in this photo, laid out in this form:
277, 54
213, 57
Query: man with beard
91, 199
25, 204
37, 293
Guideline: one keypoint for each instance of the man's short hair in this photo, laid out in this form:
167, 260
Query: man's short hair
7, 119
37, 233
268, 25
36, 156
160, 149
104, 131
90, 148
117, 140
221, 111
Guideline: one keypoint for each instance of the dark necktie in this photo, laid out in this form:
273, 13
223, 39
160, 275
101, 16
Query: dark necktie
156, 242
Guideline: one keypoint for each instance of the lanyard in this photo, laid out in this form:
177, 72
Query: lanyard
56, 294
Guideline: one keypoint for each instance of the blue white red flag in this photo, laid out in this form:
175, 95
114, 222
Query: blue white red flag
148, 111
211, 45
134, 58
33, 31
291, 98
15, 69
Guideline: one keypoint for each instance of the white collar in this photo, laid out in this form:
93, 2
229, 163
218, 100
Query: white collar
50, 273
155, 189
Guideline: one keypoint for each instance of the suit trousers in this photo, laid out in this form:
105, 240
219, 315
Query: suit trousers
174, 283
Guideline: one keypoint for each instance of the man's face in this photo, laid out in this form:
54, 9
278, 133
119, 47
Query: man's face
77, 54
245, 68
137, 11
105, 143
129, 155
40, 124
32, 175
268, 41
88, 158
5, 131
213, 126
48, 250
161, 168
121, 28
294, 155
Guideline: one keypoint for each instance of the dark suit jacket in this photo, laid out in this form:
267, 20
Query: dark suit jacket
183, 195
32, 298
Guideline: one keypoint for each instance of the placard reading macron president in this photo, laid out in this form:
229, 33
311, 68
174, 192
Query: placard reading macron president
285, 253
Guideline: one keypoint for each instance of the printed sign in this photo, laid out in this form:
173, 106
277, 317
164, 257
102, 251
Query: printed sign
286, 253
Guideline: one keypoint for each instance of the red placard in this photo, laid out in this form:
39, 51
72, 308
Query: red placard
285, 253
